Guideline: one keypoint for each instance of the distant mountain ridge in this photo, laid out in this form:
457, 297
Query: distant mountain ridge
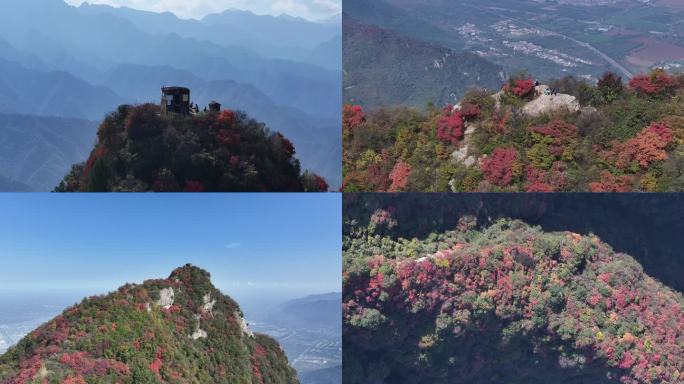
385, 68
37, 151
233, 27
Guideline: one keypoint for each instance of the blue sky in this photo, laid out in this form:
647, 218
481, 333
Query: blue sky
284, 245
309, 9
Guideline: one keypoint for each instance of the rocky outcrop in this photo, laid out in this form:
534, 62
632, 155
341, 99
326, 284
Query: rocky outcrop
165, 298
546, 103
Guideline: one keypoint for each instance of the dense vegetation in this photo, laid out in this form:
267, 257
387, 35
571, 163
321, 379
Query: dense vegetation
139, 150
142, 334
623, 138
507, 304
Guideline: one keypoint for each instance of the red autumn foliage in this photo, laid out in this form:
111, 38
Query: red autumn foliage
561, 132
539, 180
286, 145
74, 380
400, 176
352, 116
98, 153
498, 167
450, 126
83, 364
648, 147
29, 368
658, 82
226, 118
521, 88
611, 183
465, 284
193, 186
470, 111
320, 183
156, 365
227, 137
501, 121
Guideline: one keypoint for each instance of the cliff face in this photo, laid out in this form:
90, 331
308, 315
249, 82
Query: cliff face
506, 304
175, 330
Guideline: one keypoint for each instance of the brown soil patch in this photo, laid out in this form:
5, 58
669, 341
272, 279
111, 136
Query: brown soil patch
653, 51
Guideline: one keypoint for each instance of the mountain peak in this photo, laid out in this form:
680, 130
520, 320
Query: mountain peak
243, 154
175, 330
190, 272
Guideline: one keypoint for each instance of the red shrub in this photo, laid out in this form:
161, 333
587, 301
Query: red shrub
193, 186
320, 184
74, 380
286, 145
611, 183
156, 365
498, 168
470, 111
227, 137
400, 176
450, 126
521, 88
561, 132
648, 147
658, 82
226, 118
28, 369
539, 180
352, 116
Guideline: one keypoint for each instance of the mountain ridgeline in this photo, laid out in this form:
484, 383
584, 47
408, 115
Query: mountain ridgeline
175, 330
141, 149
508, 303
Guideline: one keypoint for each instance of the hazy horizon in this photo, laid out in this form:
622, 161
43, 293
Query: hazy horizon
312, 10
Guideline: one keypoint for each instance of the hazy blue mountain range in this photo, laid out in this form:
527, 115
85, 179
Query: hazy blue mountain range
234, 27
322, 310
63, 61
54, 93
9, 185
35, 150
310, 330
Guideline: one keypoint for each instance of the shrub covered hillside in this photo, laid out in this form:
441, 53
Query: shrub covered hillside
175, 330
568, 136
139, 150
506, 304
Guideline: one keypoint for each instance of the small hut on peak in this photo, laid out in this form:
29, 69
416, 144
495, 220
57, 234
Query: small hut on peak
175, 100
215, 106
